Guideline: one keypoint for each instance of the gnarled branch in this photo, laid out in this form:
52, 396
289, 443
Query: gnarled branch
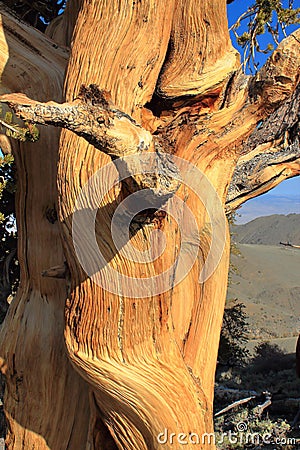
270, 155
94, 117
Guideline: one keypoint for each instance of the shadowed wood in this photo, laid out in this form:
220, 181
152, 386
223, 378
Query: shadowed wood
144, 364
32, 350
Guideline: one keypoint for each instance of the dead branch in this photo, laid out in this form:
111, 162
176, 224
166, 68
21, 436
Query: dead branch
94, 117
234, 405
288, 244
270, 155
260, 408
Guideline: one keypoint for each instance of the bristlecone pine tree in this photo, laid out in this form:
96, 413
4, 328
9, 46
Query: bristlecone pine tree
87, 368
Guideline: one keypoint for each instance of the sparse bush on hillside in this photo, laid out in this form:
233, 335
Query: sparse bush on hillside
268, 357
233, 338
244, 430
270, 369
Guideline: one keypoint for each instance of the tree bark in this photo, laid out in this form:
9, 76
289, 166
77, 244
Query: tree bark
46, 402
144, 360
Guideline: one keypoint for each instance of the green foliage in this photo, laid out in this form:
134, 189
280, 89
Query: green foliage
265, 350
259, 434
13, 129
29, 133
264, 16
268, 357
9, 268
234, 336
269, 373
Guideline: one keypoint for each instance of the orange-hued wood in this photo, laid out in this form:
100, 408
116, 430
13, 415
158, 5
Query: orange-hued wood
88, 367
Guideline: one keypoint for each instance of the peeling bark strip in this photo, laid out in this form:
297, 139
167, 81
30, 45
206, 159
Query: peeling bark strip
284, 119
94, 117
270, 155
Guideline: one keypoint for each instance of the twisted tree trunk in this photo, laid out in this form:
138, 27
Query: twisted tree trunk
40, 380
142, 354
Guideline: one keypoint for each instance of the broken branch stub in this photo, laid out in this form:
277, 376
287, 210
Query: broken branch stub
93, 116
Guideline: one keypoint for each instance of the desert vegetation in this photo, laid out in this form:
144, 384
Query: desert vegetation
256, 382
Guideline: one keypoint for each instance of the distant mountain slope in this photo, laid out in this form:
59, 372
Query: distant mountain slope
268, 204
267, 281
269, 230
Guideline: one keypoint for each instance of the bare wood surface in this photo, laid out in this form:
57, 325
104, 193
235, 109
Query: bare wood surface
46, 401
242, 401
144, 363
288, 244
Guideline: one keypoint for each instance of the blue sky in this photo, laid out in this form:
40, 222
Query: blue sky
285, 198
238, 7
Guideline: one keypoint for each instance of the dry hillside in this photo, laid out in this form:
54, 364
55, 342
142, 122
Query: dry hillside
269, 230
267, 280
